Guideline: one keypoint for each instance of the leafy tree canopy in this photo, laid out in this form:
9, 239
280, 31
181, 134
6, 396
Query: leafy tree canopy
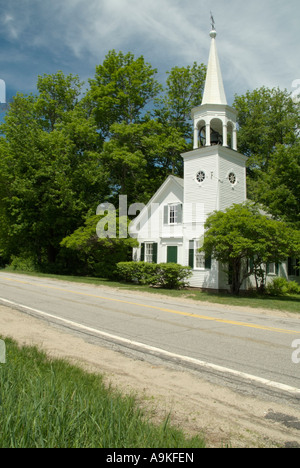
242, 232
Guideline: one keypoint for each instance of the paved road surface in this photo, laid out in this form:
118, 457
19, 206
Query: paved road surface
230, 341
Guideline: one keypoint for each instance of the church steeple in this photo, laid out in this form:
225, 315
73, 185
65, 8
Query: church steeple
214, 120
214, 92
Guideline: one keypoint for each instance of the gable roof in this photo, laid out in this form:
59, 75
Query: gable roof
170, 180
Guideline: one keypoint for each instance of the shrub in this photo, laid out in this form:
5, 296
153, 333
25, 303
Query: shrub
164, 275
172, 276
282, 287
293, 287
26, 264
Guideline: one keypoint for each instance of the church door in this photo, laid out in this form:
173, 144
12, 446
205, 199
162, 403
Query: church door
172, 254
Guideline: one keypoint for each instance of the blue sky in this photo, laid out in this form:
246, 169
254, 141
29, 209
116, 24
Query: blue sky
258, 41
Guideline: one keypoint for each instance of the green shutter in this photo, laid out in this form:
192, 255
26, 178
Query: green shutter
142, 252
208, 263
191, 254
154, 257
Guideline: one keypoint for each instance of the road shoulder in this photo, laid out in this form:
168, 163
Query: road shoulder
224, 417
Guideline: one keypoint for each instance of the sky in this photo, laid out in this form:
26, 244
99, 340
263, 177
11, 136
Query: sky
258, 41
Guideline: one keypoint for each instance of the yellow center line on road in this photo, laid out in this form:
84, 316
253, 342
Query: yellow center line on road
162, 309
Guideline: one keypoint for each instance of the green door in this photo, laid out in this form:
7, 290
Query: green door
172, 254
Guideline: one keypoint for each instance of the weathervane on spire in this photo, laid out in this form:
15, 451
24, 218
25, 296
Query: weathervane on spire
213, 24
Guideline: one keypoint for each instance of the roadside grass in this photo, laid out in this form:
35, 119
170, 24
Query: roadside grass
290, 303
47, 403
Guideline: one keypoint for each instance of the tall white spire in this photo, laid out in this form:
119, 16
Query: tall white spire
214, 92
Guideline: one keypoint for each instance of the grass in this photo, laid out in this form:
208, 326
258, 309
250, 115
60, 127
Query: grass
290, 303
51, 404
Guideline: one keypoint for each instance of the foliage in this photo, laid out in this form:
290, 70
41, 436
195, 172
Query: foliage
242, 233
51, 404
49, 170
120, 91
100, 255
282, 287
183, 91
140, 156
269, 123
164, 275
266, 117
279, 188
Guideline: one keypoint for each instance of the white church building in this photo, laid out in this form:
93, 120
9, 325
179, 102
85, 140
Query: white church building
170, 228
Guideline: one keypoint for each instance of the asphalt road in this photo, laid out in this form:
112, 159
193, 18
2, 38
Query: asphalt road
253, 345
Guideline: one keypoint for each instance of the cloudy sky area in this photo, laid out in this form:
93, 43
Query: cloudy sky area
258, 41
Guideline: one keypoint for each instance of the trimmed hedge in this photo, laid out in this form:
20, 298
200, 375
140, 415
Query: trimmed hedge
163, 275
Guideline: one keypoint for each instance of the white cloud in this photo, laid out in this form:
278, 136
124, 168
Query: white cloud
257, 41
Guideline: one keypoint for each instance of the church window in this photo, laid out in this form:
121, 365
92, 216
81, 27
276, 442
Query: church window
200, 177
173, 214
149, 253
232, 178
199, 257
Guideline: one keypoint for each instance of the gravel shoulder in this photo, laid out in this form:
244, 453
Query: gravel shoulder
225, 418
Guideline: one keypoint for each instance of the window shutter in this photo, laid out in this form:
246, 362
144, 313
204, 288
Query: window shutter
208, 263
166, 214
179, 214
154, 256
142, 252
277, 269
191, 254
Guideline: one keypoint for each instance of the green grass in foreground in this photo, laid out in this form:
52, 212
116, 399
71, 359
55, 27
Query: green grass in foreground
50, 404
289, 303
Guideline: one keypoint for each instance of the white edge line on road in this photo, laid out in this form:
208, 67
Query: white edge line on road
207, 365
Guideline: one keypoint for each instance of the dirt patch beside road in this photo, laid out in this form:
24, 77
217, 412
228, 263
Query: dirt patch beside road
224, 417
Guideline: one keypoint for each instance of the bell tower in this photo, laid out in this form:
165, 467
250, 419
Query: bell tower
214, 171
214, 121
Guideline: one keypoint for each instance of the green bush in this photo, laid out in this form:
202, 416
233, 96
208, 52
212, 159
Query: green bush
282, 287
293, 287
164, 275
23, 264
172, 276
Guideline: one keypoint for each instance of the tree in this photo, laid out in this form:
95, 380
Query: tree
279, 188
140, 156
184, 90
100, 255
122, 88
266, 117
243, 239
49, 167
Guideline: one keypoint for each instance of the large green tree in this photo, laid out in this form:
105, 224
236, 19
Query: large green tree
269, 134
49, 168
183, 91
120, 91
243, 238
266, 117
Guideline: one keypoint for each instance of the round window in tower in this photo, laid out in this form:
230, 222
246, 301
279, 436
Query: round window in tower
232, 178
200, 177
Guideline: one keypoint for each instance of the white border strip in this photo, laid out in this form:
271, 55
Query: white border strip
269, 383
